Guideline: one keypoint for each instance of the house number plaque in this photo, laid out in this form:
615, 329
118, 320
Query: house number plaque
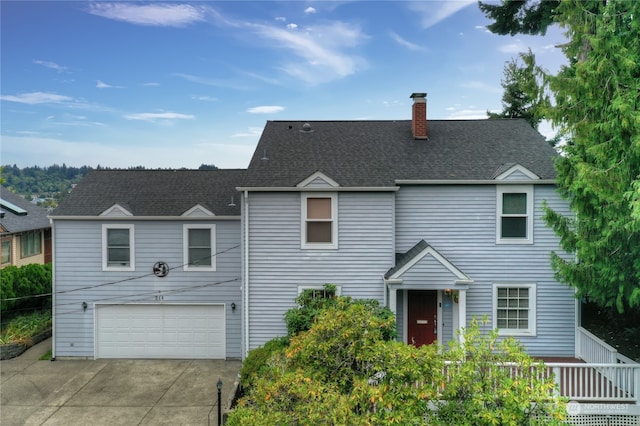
160, 269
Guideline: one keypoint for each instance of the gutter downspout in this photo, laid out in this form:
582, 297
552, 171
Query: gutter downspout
53, 291
246, 273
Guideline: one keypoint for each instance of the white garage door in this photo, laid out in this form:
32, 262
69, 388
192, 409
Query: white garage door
160, 331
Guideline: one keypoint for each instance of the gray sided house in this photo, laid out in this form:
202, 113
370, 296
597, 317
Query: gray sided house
440, 220
147, 265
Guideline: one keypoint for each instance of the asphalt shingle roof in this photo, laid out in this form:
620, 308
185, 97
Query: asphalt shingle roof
36, 217
154, 192
376, 153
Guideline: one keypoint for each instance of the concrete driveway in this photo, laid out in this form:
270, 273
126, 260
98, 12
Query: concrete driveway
112, 392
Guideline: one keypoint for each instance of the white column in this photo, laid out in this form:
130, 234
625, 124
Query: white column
393, 298
462, 312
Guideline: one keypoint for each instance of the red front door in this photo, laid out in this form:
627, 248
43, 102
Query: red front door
422, 317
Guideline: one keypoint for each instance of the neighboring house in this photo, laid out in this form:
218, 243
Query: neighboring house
25, 231
147, 265
439, 220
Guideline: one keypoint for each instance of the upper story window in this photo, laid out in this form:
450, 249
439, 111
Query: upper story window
319, 221
199, 247
31, 243
514, 214
6, 252
514, 312
118, 251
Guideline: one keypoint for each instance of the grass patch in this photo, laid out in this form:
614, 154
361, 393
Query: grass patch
46, 356
21, 329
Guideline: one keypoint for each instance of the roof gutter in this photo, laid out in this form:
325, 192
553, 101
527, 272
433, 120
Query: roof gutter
474, 182
317, 189
145, 218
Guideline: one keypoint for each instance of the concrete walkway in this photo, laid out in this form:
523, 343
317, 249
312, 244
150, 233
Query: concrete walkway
111, 392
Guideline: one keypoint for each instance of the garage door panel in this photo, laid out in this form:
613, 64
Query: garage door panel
160, 331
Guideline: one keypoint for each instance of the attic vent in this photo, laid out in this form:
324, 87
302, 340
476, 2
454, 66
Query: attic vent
306, 128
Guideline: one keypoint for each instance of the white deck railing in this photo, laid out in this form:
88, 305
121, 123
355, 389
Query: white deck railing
590, 348
602, 382
594, 382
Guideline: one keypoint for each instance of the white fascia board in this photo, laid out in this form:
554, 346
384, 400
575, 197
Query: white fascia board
339, 189
473, 182
515, 169
462, 277
317, 175
144, 218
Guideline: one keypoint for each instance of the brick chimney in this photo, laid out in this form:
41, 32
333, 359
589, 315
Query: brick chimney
419, 115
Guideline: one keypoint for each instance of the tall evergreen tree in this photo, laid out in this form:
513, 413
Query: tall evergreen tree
522, 96
596, 99
597, 105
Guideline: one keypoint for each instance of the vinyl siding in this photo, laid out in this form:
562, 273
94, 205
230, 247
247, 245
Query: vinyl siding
79, 277
460, 222
278, 265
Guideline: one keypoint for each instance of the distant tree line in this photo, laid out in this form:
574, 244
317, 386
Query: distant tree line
52, 183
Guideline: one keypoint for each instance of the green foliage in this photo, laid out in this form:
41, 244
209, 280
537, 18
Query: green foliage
310, 303
598, 107
493, 381
22, 282
52, 182
523, 90
343, 371
256, 360
21, 329
520, 16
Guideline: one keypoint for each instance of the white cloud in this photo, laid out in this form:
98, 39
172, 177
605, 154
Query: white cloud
252, 132
402, 42
159, 14
204, 98
516, 47
266, 109
164, 117
51, 65
35, 98
102, 85
216, 82
468, 114
151, 84
310, 10
281, 19
321, 50
434, 12
292, 26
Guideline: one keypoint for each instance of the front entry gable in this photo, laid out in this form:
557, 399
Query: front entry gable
422, 267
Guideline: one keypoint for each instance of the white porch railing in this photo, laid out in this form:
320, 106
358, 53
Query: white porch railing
592, 349
602, 382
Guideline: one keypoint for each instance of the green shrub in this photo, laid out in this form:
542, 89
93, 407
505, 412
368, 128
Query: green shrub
343, 371
310, 303
23, 282
257, 358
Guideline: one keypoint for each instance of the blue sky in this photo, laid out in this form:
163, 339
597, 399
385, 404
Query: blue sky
180, 84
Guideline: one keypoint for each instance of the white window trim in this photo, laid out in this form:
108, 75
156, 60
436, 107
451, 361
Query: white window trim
334, 219
132, 247
531, 330
302, 288
508, 189
185, 249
